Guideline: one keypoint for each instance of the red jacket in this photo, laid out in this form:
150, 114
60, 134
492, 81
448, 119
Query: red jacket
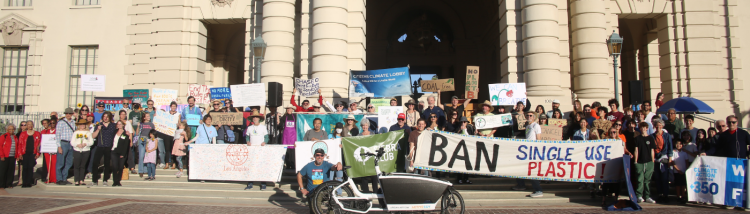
301, 109
5, 141
21, 143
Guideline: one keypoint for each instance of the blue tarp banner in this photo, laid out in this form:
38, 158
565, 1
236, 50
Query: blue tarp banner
380, 83
305, 122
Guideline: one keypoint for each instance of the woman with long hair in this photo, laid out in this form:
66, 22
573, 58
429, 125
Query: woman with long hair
701, 140
350, 126
433, 124
453, 122
557, 114
539, 110
711, 142
574, 123
85, 111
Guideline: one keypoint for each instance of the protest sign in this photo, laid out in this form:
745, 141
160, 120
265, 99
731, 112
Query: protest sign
551, 133
112, 104
162, 97
389, 82
307, 87
435, 85
221, 94
93, 82
492, 121
236, 162
138, 95
193, 119
377, 103
521, 121
507, 94
574, 161
227, 118
305, 150
557, 122
305, 122
472, 82
49, 144
166, 123
717, 180
249, 94
180, 107
364, 165
200, 92
387, 116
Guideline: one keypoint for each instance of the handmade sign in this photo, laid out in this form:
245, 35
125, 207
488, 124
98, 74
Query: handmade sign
307, 87
552, 133
305, 122
498, 120
236, 162
435, 85
557, 122
200, 93
138, 95
234, 118
180, 107
193, 119
304, 151
507, 94
387, 116
364, 165
93, 82
521, 122
472, 82
162, 97
389, 82
249, 94
717, 180
166, 123
112, 104
377, 103
49, 144
574, 161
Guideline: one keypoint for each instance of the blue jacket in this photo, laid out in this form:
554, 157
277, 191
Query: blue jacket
668, 146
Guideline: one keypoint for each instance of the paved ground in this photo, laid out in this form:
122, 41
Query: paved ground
29, 201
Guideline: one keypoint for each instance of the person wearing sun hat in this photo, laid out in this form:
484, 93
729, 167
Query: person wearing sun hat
350, 126
289, 134
486, 111
412, 114
257, 135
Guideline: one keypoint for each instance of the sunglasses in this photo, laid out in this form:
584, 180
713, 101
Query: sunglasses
319, 155
733, 122
618, 124
530, 115
613, 132
370, 107
216, 105
400, 119
433, 116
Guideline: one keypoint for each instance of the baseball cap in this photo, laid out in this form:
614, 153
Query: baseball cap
100, 104
401, 116
321, 151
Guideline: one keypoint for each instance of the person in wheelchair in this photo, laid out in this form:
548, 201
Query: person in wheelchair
316, 173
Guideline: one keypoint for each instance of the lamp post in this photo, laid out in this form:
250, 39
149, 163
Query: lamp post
614, 45
259, 51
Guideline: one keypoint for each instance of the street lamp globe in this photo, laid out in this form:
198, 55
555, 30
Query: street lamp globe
614, 44
259, 51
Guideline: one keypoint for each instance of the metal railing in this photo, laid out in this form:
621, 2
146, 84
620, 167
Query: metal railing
16, 119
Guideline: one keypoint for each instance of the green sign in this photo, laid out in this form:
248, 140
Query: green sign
362, 166
306, 122
380, 102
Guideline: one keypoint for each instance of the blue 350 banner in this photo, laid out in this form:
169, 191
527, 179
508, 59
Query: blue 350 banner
718, 180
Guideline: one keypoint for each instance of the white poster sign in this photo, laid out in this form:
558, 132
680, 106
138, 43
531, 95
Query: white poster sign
304, 151
498, 120
93, 82
249, 94
387, 116
49, 144
507, 94
165, 122
573, 161
236, 162
162, 97
200, 92
307, 87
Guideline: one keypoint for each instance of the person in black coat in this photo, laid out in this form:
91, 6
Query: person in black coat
733, 142
120, 153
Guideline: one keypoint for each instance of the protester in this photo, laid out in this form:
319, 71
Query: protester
614, 114
555, 107
257, 136
120, 149
365, 124
689, 120
679, 165
412, 115
640, 116
644, 155
533, 132
289, 135
350, 127
542, 120
588, 115
369, 179
557, 114
659, 98
143, 137
466, 129
105, 133
574, 124
166, 141
317, 133
453, 122
8, 147
150, 155
65, 150
628, 115
503, 131
81, 140
618, 125
721, 126
703, 142
305, 104
595, 109
371, 109
99, 112
601, 123
314, 173
663, 146
353, 106
339, 108
486, 111
134, 117
413, 137
400, 125
673, 125
454, 105
630, 133
431, 108
191, 109
274, 125
50, 159
206, 133
337, 131
690, 148
179, 149
151, 110
583, 133
85, 112
434, 125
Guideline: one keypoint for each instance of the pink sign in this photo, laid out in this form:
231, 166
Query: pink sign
200, 92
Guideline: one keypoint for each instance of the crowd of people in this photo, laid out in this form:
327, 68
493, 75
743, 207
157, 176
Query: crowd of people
99, 145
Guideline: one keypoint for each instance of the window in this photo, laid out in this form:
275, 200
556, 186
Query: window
13, 85
87, 2
19, 3
82, 61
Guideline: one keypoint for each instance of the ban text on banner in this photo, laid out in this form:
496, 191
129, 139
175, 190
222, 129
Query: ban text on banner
387, 116
249, 94
435, 85
575, 161
227, 118
389, 82
717, 180
113, 104
364, 165
93, 82
492, 121
200, 92
305, 122
307, 87
472, 82
507, 94
304, 151
138, 95
236, 162
162, 97
165, 122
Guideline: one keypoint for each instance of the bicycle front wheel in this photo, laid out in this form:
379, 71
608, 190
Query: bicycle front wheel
322, 201
452, 202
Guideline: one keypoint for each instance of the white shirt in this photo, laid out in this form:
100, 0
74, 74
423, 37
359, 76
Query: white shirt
257, 134
691, 147
679, 158
532, 130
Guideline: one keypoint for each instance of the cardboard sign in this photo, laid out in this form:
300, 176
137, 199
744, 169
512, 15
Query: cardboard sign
307, 87
552, 133
557, 122
162, 97
221, 94
507, 94
249, 94
435, 85
227, 118
487, 122
93, 83
138, 95
200, 92
472, 82
193, 119
49, 144
521, 121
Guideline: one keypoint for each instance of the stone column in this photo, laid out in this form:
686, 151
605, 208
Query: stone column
590, 56
278, 33
540, 48
329, 45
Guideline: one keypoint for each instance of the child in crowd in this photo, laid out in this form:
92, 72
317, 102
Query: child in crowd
679, 164
179, 150
150, 158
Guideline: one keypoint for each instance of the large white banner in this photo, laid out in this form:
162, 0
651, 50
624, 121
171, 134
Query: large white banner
717, 180
165, 122
507, 94
387, 116
498, 120
249, 94
162, 97
93, 82
304, 151
574, 161
236, 162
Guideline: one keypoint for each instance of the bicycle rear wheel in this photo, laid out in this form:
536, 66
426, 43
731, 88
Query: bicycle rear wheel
322, 201
452, 202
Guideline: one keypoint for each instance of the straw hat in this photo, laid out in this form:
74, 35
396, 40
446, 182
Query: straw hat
410, 102
255, 114
350, 117
82, 122
288, 106
488, 103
